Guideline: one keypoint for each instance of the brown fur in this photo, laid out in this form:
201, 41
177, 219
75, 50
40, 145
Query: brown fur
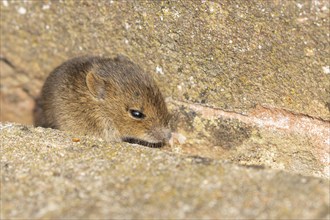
93, 96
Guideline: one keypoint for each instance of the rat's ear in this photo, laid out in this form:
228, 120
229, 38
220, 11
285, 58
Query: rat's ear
96, 85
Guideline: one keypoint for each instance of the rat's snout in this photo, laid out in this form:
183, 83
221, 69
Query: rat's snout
167, 134
161, 134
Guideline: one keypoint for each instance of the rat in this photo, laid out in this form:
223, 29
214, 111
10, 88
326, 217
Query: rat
113, 99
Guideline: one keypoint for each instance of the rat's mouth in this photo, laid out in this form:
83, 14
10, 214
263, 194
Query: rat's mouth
142, 142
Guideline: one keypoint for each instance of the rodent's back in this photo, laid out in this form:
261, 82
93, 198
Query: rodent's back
101, 97
60, 90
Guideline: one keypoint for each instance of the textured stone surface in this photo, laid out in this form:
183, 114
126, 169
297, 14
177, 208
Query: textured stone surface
227, 55
50, 174
233, 57
269, 137
247, 82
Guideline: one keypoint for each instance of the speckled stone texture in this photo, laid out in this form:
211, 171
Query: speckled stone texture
226, 54
259, 68
53, 175
247, 83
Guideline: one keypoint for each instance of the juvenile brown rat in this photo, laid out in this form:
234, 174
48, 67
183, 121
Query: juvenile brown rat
109, 98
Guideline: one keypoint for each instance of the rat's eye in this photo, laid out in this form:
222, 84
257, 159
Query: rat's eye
136, 114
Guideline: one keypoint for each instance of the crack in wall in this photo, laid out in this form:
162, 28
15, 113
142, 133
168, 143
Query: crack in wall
316, 130
269, 118
6, 61
19, 71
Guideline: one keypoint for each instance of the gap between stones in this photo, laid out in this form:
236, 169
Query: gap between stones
278, 120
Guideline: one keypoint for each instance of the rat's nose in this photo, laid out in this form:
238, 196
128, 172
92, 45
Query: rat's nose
162, 134
167, 134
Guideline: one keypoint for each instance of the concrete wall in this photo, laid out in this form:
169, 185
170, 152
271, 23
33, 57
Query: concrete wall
247, 81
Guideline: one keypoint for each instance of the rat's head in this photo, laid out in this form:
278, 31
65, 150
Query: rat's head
130, 100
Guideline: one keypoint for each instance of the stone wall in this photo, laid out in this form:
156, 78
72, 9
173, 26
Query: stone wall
228, 55
246, 81
49, 174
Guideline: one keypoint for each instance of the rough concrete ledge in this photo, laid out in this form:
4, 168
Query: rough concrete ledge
50, 174
266, 136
